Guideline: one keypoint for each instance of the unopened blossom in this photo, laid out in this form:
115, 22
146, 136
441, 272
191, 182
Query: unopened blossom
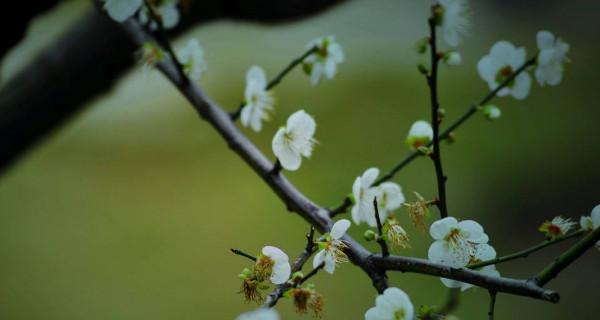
259, 314
557, 227
332, 248
482, 252
166, 10
324, 61
455, 242
191, 58
492, 112
393, 304
394, 234
272, 264
258, 101
452, 58
295, 140
551, 58
419, 135
451, 16
389, 197
121, 10
502, 61
418, 211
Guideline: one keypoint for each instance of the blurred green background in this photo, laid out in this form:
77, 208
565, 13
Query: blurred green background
128, 212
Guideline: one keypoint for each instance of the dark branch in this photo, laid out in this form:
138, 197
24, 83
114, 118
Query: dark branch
373, 265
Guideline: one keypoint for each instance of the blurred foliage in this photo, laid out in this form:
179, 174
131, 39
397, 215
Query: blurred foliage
128, 211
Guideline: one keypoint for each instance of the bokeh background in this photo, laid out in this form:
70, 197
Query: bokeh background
128, 211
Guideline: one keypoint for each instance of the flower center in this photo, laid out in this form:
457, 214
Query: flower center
263, 267
400, 314
503, 74
554, 229
454, 237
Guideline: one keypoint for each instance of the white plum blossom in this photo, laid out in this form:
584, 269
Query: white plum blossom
502, 61
324, 61
453, 58
492, 112
259, 314
192, 59
258, 101
274, 263
389, 197
419, 135
551, 58
168, 12
121, 10
559, 226
455, 242
453, 20
393, 304
332, 249
295, 140
482, 252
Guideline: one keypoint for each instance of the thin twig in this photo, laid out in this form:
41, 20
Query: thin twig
312, 273
243, 254
380, 239
492, 304
565, 259
275, 81
443, 135
436, 153
526, 252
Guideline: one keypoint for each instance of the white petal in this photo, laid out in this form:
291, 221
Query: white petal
545, 39
356, 216
281, 272
169, 14
121, 10
339, 228
275, 253
334, 50
316, 72
374, 314
596, 216
473, 231
257, 75
260, 314
329, 264
393, 194
330, 68
486, 69
369, 177
302, 124
522, 85
319, 258
450, 283
440, 228
485, 252
289, 158
545, 57
245, 115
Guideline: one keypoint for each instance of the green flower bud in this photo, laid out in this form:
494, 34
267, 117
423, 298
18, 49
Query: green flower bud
369, 235
422, 44
423, 69
491, 112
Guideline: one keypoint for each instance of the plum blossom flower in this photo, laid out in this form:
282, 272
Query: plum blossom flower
559, 226
272, 264
259, 101
455, 242
592, 221
394, 234
389, 197
392, 304
551, 59
305, 298
295, 140
332, 249
451, 16
259, 314
502, 61
168, 12
492, 112
192, 58
452, 58
418, 211
150, 54
419, 135
121, 10
482, 252
324, 61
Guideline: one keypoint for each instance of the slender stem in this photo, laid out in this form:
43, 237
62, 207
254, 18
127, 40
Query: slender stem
163, 39
492, 304
565, 259
436, 154
380, 239
243, 254
275, 81
526, 252
312, 273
